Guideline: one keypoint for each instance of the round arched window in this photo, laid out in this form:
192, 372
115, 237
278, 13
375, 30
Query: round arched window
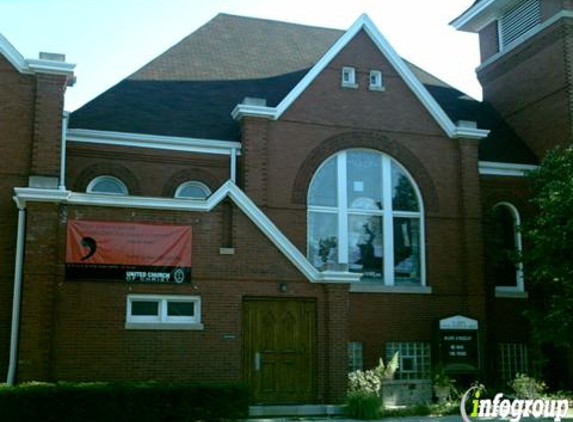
193, 190
365, 215
107, 184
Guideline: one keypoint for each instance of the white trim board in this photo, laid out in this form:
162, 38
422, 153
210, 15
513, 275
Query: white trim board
366, 24
504, 169
174, 143
228, 189
32, 66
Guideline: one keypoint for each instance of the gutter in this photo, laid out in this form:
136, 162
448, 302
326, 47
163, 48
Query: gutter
17, 296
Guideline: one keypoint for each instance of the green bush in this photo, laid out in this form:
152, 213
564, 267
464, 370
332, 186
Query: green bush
526, 387
363, 405
124, 402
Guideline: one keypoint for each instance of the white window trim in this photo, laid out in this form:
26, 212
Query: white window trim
387, 216
98, 179
195, 183
352, 83
508, 291
379, 85
162, 321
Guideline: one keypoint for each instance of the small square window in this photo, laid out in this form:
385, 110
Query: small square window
349, 77
376, 81
150, 312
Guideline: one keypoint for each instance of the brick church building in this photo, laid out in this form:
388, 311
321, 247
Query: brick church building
279, 204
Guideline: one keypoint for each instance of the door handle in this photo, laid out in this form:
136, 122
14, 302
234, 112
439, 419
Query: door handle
257, 361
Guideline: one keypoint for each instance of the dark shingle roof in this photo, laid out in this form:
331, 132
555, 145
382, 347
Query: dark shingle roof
191, 89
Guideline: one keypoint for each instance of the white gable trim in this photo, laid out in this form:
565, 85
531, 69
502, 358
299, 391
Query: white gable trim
229, 189
504, 169
366, 24
32, 66
174, 143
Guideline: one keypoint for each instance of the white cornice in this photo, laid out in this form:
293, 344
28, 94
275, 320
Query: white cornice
175, 143
245, 110
480, 15
504, 169
471, 133
228, 189
366, 24
32, 66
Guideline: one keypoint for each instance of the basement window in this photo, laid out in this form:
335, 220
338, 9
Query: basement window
349, 77
193, 190
376, 83
415, 359
151, 312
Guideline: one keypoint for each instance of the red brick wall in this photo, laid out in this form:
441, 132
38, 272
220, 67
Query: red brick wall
17, 124
531, 87
75, 330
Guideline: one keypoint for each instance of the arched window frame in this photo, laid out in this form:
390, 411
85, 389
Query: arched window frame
519, 283
94, 182
194, 183
387, 213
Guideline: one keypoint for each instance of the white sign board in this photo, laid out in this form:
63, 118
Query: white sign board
458, 322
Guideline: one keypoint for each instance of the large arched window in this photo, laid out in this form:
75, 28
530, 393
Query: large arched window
107, 184
365, 215
506, 243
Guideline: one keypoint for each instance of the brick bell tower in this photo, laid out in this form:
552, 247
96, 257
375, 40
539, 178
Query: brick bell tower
526, 68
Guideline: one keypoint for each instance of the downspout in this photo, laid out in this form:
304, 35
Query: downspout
15, 330
65, 118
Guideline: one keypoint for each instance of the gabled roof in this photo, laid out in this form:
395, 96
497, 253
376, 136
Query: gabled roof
191, 89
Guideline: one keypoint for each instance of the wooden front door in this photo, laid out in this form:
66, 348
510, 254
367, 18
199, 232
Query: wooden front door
279, 343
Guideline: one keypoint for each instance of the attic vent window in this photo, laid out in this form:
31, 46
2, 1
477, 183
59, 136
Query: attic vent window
376, 83
349, 77
517, 20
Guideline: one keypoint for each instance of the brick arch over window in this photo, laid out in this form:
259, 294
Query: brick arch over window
490, 199
369, 140
212, 181
107, 169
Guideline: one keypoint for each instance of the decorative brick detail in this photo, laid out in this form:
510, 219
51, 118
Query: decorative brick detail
254, 159
212, 181
107, 169
47, 143
372, 140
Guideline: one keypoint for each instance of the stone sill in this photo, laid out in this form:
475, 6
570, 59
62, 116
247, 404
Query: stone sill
510, 294
374, 288
162, 326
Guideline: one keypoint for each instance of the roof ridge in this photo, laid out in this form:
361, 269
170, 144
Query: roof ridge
277, 21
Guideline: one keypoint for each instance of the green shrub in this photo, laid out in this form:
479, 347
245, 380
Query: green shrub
526, 387
363, 405
124, 402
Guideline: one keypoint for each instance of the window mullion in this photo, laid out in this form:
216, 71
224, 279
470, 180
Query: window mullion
343, 211
388, 223
163, 310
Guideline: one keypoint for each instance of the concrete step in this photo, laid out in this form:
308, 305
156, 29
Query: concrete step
295, 410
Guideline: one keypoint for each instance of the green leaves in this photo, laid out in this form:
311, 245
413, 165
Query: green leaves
548, 257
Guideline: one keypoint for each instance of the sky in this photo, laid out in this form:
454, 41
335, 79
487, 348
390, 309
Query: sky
110, 39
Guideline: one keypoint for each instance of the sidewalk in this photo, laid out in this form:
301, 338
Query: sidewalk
451, 418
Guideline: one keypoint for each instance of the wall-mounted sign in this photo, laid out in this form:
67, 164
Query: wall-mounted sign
459, 344
132, 252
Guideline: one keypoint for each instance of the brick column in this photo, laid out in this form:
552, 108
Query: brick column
254, 132
49, 106
471, 222
336, 359
38, 293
